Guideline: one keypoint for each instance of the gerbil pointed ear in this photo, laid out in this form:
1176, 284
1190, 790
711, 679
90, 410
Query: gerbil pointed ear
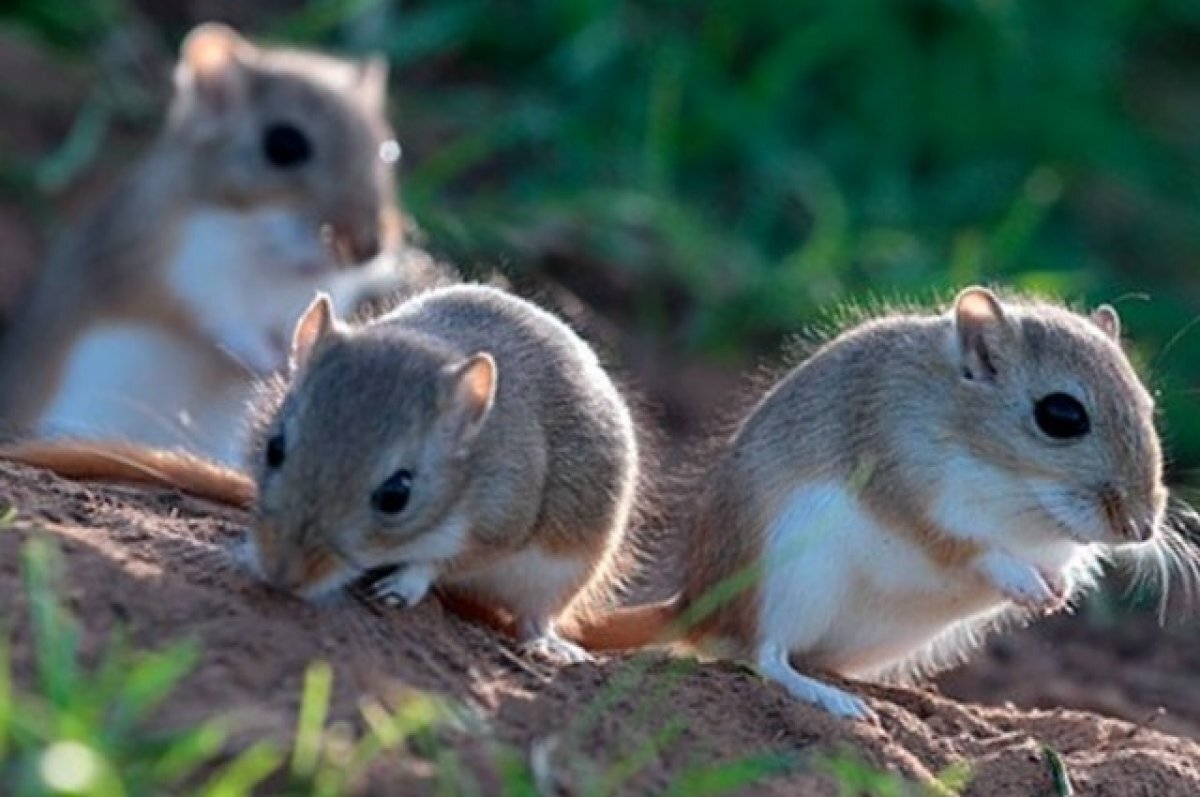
980, 330
316, 324
469, 395
371, 83
1105, 316
212, 71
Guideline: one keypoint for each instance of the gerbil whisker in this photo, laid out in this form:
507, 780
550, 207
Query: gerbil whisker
1171, 561
1183, 552
1175, 339
165, 421
239, 361
1130, 296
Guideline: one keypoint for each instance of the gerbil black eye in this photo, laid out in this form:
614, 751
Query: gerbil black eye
391, 497
286, 145
1061, 416
275, 451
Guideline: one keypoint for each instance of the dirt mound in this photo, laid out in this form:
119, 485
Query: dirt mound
159, 564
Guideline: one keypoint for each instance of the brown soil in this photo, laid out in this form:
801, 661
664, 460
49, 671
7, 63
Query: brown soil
159, 564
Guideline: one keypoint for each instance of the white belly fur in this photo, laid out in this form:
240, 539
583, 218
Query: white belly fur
848, 595
239, 275
139, 382
531, 583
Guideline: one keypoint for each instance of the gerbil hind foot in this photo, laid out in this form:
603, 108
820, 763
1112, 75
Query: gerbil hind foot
539, 640
773, 664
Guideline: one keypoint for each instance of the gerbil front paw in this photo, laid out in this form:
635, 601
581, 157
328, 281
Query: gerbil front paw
408, 586
1024, 584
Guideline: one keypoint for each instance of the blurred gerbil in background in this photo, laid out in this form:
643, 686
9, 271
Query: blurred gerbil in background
164, 300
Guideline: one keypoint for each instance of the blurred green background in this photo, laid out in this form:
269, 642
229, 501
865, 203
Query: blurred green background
713, 175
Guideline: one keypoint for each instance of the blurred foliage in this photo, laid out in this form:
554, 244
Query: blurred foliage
720, 173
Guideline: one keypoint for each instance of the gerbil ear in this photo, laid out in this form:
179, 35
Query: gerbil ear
212, 71
469, 395
1105, 316
317, 323
371, 83
980, 330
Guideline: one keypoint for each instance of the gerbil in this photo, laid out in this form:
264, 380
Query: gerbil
468, 438
915, 480
168, 298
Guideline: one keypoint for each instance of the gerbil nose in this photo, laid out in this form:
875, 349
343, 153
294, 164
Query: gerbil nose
364, 245
284, 575
1125, 517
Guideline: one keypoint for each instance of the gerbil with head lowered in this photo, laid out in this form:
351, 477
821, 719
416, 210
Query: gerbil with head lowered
469, 439
915, 481
167, 299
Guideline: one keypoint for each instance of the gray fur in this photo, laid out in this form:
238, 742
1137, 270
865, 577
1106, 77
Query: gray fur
553, 467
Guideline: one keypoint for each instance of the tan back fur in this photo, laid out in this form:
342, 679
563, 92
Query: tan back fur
884, 407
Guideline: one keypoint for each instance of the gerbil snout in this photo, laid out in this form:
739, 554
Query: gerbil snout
302, 570
355, 244
1128, 523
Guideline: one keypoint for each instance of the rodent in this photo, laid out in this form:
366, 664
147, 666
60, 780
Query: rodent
158, 309
916, 481
468, 438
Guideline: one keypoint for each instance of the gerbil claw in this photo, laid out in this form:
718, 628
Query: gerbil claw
849, 707
1059, 587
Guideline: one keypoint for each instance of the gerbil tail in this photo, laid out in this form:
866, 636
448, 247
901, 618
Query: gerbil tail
125, 462
628, 628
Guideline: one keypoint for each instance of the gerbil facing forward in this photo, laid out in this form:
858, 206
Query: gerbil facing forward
909, 484
469, 438
165, 301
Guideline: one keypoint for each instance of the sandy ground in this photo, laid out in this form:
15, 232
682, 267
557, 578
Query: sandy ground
160, 564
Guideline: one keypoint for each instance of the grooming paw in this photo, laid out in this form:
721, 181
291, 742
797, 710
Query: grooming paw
408, 586
1024, 584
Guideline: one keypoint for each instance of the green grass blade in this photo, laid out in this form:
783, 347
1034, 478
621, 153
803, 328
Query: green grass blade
731, 776
188, 751
626, 768
6, 697
314, 707
150, 679
1058, 770
56, 638
245, 772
